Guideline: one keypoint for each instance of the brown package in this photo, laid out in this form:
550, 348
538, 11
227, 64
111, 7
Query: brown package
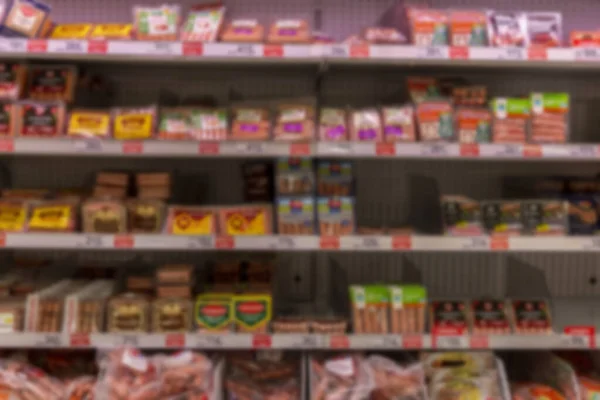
329, 326
12, 312
52, 83
290, 325
178, 291
50, 313
145, 216
104, 216
243, 31
137, 283
250, 123
175, 274
12, 80
34, 119
289, 31
112, 179
153, 179
90, 316
294, 122
171, 315
154, 192
108, 192
128, 313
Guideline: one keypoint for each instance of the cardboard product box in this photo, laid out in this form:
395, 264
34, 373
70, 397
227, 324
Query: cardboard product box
502, 217
461, 216
545, 217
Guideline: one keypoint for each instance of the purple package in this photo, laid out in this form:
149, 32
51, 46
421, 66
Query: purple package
332, 125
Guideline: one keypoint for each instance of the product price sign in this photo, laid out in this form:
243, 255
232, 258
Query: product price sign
200, 242
368, 243
479, 342
90, 242
192, 49
339, 342
338, 51
91, 145
253, 149
579, 337
511, 54
68, 46
37, 46
583, 151
79, 340
262, 341
510, 150
7, 146
175, 340
433, 53
209, 342
284, 243
592, 243
13, 45
306, 342
162, 48
434, 150
49, 340
97, 47
412, 341
587, 54
243, 50
126, 340
391, 342
476, 243
450, 342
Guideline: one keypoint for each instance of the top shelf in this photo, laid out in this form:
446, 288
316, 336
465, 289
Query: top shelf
180, 52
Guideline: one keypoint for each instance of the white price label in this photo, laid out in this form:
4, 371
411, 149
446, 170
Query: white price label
284, 243
127, 340
13, 45
91, 242
592, 243
162, 48
209, 341
391, 342
251, 148
72, 46
451, 342
242, 50
576, 341
583, 151
200, 242
432, 53
50, 340
339, 51
307, 342
513, 53
369, 243
88, 145
476, 243
510, 150
436, 149
587, 54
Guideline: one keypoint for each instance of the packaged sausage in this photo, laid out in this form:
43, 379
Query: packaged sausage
512, 117
52, 216
429, 27
370, 305
545, 217
296, 216
502, 217
507, 29
468, 28
171, 315
52, 83
422, 88
295, 176
365, 125
12, 80
252, 312
407, 305
250, 123
13, 215
544, 29
71, 31
435, 121
584, 39
12, 315
289, 31
134, 123
334, 178
473, 125
7, 119
104, 216
128, 313
531, 316
253, 219
213, 312
175, 274
111, 32
84, 308
156, 23
461, 216
294, 122
36, 119
333, 125
290, 325
186, 220
243, 31
549, 117
209, 124
203, 25
26, 18
145, 216
490, 317
175, 124
336, 216
399, 124
329, 326
89, 123
449, 317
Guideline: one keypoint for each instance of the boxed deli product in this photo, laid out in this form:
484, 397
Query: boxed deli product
461, 216
502, 217
550, 117
511, 120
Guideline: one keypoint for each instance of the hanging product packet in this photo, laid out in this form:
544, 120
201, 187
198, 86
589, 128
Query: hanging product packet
507, 29
429, 27
203, 25
512, 117
468, 28
473, 125
134, 123
449, 317
584, 39
365, 126
550, 117
289, 31
399, 124
156, 23
435, 121
544, 29
333, 125
209, 124
187, 220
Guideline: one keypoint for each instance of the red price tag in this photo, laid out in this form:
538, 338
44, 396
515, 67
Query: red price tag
225, 242
7, 146
261, 341
339, 342
459, 53
192, 49
385, 149
209, 148
299, 149
80, 340
97, 46
401, 242
359, 51
273, 50
532, 150
133, 147
175, 340
499, 243
37, 46
479, 342
469, 150
588, 332
2, 239
123, 242
412, 341
329, 242
537, 53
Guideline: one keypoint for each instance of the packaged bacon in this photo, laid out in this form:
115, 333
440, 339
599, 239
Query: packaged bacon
473, 125
333, 125
399, 124
511, 118
490, 317
584, 39
468, 28
507, 29
243, 31
435, 121
429, 27
289, 31
549, 117
365, 126
532, 316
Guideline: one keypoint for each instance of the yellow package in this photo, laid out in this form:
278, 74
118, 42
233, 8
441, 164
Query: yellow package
246, 220
252, 312
89, 123
13, 216
182, 220
213, 312
71, 31
134, 123
52, 217
111, 32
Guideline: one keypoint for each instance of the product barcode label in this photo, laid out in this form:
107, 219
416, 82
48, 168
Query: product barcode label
391, 342
510, 150
512, 54
339, 51
50, 340
71, 46
88, 145
90, 242
587, 54
13, 45
433, 53
243, 50
368, 243
476, 243
576, 342
284, 243
307, 342
251, 148
209, 342
162, 48
583, 151
200, 242
437, 149
451, 342
126, 340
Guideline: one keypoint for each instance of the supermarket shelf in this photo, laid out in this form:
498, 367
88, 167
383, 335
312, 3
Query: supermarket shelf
337, 53
161, 148
297, 341
85, 241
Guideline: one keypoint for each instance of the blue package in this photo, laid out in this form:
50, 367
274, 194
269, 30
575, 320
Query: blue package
296, 216
336, 216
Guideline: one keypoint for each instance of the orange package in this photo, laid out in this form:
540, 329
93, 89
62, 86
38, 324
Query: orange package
243, 31
429, 27
584, 39
251, 220
186, 220
512, 117
468, 28
250, 123
473, 125
435, 121
289, 31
